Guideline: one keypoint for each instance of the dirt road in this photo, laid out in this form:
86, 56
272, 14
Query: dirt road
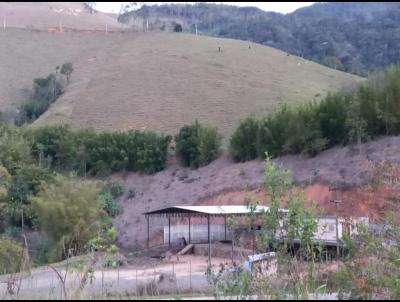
43, 283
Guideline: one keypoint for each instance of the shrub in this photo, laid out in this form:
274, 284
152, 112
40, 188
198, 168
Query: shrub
15, 149
131, 193
109, 204
99, 154
152, 151
11, 256
243, 143
5, 179
197, 145
69, 213
67, 69
45, 92
209, 145
116, 188
186, 144
178, 28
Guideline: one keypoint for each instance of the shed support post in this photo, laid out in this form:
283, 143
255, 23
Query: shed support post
209, 241
169, 231
225, 226
189, 229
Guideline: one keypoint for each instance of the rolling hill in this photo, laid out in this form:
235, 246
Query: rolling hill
44, 15
158, 81
350, 36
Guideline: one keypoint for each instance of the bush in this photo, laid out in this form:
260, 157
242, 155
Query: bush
209, 145
243, 143
15, 149
99, 154
116, 188
131, 193
69, 212
67, 69
109, 204
178, 28
197, 145
45, 92
11, 256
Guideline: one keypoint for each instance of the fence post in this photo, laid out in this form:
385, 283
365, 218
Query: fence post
136, 289
190, 274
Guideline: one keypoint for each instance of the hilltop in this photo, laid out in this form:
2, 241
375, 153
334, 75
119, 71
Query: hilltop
354, 37
45, 15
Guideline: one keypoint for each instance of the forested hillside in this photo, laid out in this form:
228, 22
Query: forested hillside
354, 37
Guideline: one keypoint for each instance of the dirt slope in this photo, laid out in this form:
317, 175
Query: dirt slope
225, 182
158, 80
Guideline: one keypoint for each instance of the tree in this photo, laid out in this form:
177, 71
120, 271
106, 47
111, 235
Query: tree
5, 179
243, 143
12, 256
15, 149
197, 145
297, 223
355, 123
69, 212
67, 69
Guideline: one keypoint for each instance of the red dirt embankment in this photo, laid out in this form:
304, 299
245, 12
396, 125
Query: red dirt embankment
362, 201
226, 182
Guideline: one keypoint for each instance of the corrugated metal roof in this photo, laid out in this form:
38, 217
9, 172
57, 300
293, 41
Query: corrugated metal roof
212, 210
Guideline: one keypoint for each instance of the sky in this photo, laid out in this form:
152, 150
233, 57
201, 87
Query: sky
279, 7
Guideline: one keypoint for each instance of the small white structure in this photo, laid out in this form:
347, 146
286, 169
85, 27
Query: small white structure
327, 227
262, 265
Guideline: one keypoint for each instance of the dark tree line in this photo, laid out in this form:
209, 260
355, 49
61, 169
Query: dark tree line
353, 37
371, 110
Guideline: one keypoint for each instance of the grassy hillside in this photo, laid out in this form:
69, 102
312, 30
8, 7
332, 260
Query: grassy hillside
42, 15
354, 37
158, 80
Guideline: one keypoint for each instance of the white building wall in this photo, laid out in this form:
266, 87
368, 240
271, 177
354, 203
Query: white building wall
198, 232
326, 230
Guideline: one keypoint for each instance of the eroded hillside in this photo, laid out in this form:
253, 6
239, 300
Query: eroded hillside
225, 182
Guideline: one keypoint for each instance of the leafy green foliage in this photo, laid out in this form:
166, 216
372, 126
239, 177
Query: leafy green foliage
11, 256
86, 151
69, 212
116, 188
370, 110
197, 145
108, 195
45, 92
371, 269
15, 149
243, 141
67, 69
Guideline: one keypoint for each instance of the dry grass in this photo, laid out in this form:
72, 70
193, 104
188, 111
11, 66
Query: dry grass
42, 15
158, 81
